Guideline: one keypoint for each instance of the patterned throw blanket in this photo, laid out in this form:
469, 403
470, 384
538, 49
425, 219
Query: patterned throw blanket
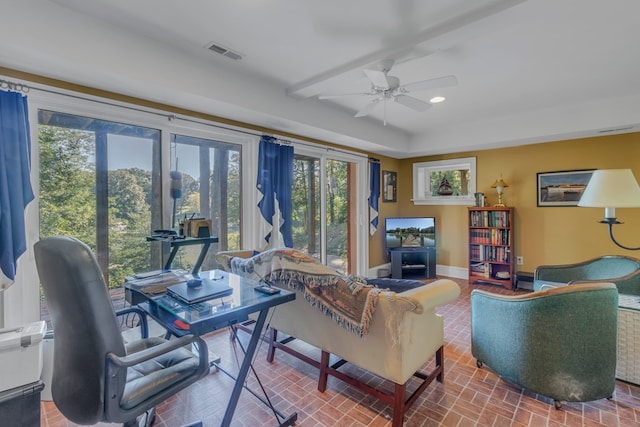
348, 300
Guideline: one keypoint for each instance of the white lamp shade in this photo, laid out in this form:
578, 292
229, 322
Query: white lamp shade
611, 188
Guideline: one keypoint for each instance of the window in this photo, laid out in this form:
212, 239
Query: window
104, 177
445, 182
100, 183
306, 205
211, 172
324, 211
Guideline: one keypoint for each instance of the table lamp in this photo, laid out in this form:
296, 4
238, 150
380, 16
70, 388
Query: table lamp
499, 185
611, 189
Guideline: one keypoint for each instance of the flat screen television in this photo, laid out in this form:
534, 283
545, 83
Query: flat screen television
410, 232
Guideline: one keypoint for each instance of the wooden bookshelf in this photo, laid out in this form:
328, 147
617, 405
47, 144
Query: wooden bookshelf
491, 246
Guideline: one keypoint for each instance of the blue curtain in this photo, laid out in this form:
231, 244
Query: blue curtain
15, 183
374, 195
275, 182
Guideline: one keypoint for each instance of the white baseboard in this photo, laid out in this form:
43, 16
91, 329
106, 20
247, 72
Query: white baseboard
455, 272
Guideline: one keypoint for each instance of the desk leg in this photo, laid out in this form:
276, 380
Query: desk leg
203, 253
172, 255
197, 265
244, 368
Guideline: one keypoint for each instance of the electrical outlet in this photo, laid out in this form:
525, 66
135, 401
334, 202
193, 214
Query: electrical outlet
519, 260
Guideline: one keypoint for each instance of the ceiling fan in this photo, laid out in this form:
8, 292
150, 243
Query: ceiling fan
385, 87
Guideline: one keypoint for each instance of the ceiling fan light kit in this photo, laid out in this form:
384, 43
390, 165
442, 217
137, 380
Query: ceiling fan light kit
384, 87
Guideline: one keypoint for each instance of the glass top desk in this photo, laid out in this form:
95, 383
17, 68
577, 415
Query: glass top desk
204, 317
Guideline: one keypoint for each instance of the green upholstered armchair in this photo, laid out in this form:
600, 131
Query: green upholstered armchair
559, 343
623, 271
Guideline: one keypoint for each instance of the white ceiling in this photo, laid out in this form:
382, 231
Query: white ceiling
528, 71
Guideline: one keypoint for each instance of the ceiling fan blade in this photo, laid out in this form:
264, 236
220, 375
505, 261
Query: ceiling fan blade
343, 95
413, 103
378, 78
436, 83
367, 109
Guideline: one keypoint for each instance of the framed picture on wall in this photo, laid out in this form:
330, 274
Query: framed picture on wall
445, 182
562, 188
389, 186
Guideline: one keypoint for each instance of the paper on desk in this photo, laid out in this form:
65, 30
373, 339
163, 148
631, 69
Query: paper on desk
152, 284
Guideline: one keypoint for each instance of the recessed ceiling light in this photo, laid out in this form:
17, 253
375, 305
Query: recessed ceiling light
437, 99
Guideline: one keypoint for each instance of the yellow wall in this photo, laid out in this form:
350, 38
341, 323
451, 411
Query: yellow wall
385, 210
544, 235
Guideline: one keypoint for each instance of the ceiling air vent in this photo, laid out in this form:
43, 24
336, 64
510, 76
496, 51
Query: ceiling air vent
616, 129
219, 49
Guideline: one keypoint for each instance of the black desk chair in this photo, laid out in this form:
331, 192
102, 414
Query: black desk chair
96, 377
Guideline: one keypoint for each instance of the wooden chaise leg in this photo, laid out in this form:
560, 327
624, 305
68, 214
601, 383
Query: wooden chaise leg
398, 405
398, 400
273, 339
440, 364
324, 371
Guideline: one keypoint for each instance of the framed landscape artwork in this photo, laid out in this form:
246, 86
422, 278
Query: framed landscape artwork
562, 188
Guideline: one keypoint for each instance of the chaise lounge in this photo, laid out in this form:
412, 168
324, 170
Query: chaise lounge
392, 335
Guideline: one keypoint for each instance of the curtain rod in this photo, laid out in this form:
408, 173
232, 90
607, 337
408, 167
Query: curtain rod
169, 116
18, 87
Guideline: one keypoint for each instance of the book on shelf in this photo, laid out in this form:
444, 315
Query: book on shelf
490, 218
481, 269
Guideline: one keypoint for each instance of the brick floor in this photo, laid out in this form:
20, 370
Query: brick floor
468, 397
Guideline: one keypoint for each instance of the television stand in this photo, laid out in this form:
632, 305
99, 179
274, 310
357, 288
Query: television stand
413, 262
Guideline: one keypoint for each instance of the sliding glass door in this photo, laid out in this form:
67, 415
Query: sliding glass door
324, 214
100, 182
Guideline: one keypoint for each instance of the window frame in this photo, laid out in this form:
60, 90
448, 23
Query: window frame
361, 233
422, 171
69, 102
